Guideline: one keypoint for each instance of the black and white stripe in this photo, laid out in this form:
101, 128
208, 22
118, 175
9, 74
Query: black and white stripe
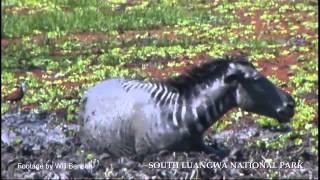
184, 110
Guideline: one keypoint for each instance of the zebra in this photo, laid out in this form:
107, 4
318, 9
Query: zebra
126, 117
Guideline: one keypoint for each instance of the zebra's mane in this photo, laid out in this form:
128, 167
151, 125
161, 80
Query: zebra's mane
205, 73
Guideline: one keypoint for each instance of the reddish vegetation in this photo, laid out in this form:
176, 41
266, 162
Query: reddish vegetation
184, 62
19, 10
28, 107
69, 85
310, 98
34, 39
159, 32
263, 28
61, 113
89, 37
278, 67
29, 10
164, 73
6, 42
40, 74
255, 19
304, 30
259, 25
239, 52
200, 58
316, 119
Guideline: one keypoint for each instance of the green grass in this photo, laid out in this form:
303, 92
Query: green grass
84, 18
43, 35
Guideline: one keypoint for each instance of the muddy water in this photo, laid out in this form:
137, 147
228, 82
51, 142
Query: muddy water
34, 130
39, 146
36, 146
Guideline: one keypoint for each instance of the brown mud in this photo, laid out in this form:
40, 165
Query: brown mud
43, 140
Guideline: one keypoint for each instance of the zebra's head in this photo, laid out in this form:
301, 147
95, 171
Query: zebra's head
255, 93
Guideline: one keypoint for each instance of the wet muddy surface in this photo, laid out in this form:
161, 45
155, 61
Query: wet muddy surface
37, 146
30, 140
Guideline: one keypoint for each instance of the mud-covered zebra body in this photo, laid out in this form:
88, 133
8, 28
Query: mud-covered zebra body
132, 117
148, 117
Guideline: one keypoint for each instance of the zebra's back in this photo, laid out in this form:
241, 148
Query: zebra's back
126, 117
112, 117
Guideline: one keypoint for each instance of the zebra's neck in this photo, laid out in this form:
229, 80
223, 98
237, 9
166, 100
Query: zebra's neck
209, 103
195, 109
201, 106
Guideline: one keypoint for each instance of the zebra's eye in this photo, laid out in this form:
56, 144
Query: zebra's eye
252, 76
256, 77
